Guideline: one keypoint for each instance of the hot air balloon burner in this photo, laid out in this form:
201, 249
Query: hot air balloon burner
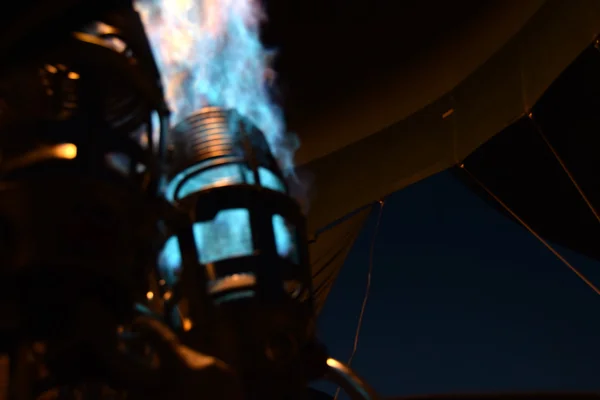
82, 215
244, 252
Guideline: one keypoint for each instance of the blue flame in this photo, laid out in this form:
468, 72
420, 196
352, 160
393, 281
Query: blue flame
209, 54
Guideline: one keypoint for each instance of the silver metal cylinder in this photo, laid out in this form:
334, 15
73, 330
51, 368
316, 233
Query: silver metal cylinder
352, 384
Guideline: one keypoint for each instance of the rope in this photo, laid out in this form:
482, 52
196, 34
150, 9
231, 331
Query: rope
367, 291
338, 221
564, 167
534, 233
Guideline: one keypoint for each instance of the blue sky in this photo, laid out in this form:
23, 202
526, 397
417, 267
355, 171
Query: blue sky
463, 300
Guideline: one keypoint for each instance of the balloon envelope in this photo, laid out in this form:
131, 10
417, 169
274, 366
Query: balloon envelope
383, 94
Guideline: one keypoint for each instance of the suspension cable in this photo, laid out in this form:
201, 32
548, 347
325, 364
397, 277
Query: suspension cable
367, 290
533, 232
564, 167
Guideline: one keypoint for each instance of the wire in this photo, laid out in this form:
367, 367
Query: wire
534, 233
564, 167
347, 238
367, 290
338, 221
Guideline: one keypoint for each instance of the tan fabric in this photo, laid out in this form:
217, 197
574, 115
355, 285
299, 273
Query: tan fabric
416, 82
484, 103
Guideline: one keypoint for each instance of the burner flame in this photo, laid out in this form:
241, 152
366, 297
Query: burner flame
209, 53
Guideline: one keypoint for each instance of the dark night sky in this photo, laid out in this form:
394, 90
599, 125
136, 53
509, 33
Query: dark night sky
463, 300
